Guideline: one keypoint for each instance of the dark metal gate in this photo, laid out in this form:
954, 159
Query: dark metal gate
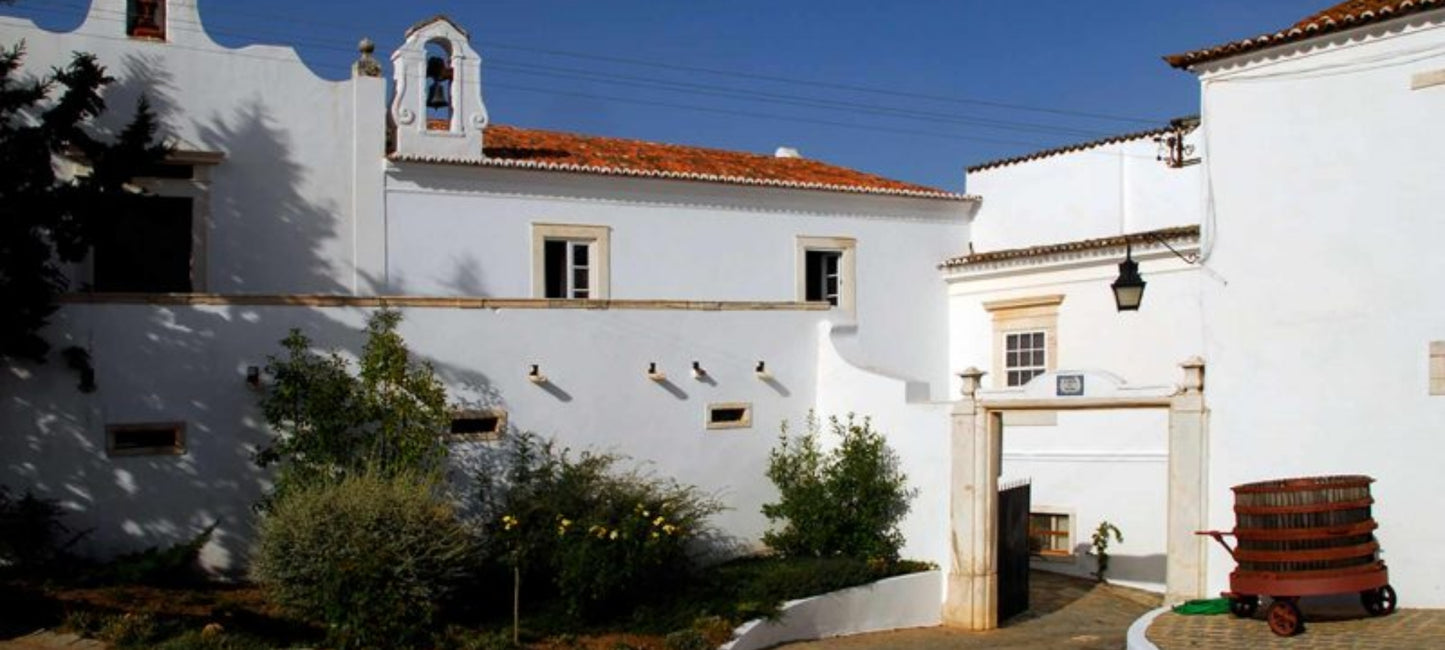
1013, 549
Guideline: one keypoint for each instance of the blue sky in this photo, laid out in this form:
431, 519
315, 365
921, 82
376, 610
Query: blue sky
906, 89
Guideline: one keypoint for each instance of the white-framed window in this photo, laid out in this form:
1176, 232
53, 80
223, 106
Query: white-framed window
730, 415
827, 271
145, 439
1025, 356
1025, 338
1051, 534
570, 262
473, 425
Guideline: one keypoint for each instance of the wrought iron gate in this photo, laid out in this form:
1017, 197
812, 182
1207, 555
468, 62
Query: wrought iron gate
1013, 549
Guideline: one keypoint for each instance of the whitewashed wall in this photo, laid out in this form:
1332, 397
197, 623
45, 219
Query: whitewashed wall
1327, 173
681, 240
1102, 191
169, 364
281, 199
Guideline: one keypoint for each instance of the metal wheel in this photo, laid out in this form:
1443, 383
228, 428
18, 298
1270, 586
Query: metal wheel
1379, 602
1244, 606
1284, 618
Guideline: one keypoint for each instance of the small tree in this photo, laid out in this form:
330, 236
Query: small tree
47, 220
847, 502
1100, 540
329, 423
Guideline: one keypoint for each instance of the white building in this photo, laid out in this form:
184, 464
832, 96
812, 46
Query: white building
613, 268
1286, 242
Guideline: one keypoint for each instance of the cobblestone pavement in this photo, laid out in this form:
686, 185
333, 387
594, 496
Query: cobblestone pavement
1065, 612
1328, 626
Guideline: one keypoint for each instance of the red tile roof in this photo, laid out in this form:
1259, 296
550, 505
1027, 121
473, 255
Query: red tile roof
1145, 238
1352, 13
510, 146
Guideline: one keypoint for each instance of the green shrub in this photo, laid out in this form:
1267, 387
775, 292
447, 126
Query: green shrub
847, 502
173, 566
602, 538
31, 535
130, 630
687, 639
200, 640
329, 422
371, 556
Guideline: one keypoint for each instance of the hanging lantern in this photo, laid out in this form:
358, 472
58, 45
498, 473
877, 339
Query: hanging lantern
1129, 287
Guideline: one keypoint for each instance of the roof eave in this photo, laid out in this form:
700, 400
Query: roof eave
684, 176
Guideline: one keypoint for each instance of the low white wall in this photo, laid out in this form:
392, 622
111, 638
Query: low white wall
892, 604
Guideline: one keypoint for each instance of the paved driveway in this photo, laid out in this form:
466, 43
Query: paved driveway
1065, 613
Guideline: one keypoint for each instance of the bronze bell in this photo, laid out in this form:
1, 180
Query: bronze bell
438, 76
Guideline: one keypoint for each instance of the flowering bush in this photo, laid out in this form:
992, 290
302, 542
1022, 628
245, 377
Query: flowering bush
602, 538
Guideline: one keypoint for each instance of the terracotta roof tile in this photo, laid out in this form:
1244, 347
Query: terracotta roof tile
1352, 13
1124, 137
510, 146
1135, 238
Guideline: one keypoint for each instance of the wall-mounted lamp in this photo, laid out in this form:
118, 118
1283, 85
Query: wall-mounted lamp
253, 377
535, 375
697, 371
1129, 286
653, 374
762, 371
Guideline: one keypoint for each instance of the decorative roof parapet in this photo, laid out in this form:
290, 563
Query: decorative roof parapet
1034, 253
1346, 15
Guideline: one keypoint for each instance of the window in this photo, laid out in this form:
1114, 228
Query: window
570, 262
1024, 357
145, 19
823, 276
147, 248
1025, 338
145, 439
568, 273
1050, 534
826, 271
156, 242
477, 425
730, 415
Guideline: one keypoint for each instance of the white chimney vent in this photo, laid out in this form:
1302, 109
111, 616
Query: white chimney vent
787, 152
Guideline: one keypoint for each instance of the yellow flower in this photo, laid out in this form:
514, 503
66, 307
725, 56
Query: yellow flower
658, 521
654, 534
613, 535
669, 529
509, 522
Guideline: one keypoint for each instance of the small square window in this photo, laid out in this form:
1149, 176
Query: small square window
1025, 358
730, 415
477, 425
1049, 534
146, 439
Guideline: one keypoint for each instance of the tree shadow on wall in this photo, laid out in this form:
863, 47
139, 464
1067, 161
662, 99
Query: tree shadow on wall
164, 363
